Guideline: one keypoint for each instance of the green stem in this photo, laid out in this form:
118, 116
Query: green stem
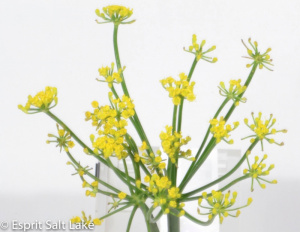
195, 220
225, 176
83, 145
151, 227
173, 223
117, 211
182, 100
94, 177
221, 189
204, 141
137, 124
198, 164
131, 218
127, 176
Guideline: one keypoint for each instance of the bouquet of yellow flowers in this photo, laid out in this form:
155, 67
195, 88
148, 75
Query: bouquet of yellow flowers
155, 185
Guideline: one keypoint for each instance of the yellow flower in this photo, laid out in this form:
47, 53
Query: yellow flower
110, 76
97, 221
172, 143
262, 129
220, 204
262, 60
42, 101
115, 14
63, 139
220, 130
257, 170
197, 50
122, 195
111, 122
234, 91
181, 89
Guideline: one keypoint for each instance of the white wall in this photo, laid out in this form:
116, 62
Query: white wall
57, 43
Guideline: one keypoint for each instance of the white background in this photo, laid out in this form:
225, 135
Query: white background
58, 43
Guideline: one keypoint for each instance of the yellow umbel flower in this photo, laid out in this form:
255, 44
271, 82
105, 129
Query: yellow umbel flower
165, 196
220, 130
262, 60
220, 204
93, 186
172, 143
86, 221
42, 101
154, 163
234, 91
122, 195
262, 129
181, 89
256, 170
110, 76
111, 122
63, 139
115, 14
197, 49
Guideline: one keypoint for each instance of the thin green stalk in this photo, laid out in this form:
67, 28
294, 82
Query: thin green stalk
131, 218
198, 164
151, 227
92, 176
171, 166
225, 176
203, 157
117, 211
83, 145
221, 189
127, 176
182, 100
138, 125
204, 141
199, 222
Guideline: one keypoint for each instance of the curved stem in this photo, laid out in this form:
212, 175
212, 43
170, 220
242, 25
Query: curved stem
225, 176
151, 227
137, 124
195, 220
200, 162
131, 218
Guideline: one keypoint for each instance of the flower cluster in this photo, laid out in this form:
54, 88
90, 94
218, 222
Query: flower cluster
220, 130
197, 49
79, 170
220, 204
179, 89
110, 76
111, 123
234, 91
171, 144
42, 101
153, 162
115, 14
63, 139
262, 60
257, 170
93, 186
86, 221
262, 129
165, 196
